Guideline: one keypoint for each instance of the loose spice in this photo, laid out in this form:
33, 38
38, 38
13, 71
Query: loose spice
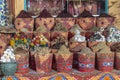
64, 50
106, 49
86, 51
59, 27
42, 29
99, 46
85, 13
115, 47
43, 51
24, 14
44, 14
76, 27
64, 14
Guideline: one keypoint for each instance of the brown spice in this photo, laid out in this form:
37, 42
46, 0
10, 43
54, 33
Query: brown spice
85, 13
44, 14
24, 14
64, 14
86, 51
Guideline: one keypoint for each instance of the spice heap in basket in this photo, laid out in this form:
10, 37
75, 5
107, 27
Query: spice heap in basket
43, 60
8, 64
113, 35
20, 40
78, 40
39, 41
95, 39
86, 60
59, 36
22, 58
64, 59
105, 59
8, 55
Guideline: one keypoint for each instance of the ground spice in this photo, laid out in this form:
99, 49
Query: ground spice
63, 50
42, 29
20, 50
43, 51
59, 27
115, 47
44, 14
85, 13
86, 51
106, 49
76, 27
64, 14
99, 46
24, 14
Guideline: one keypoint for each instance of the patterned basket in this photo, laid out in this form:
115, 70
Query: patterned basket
23, 62
46, 22
86, 62
86, 20
64, 62
24, 24
105, 61
105, 20
43, 63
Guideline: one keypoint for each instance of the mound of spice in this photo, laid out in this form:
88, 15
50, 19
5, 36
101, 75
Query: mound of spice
24, 14
43, 51
63, 50
44, 14
85, 13
41, 29
97, 37
85, 50
106, 49
64, 14
8, 55
59, 27
20, 40
76, 27
115, 47
98, 46
77, 37
39, 41
113, 34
